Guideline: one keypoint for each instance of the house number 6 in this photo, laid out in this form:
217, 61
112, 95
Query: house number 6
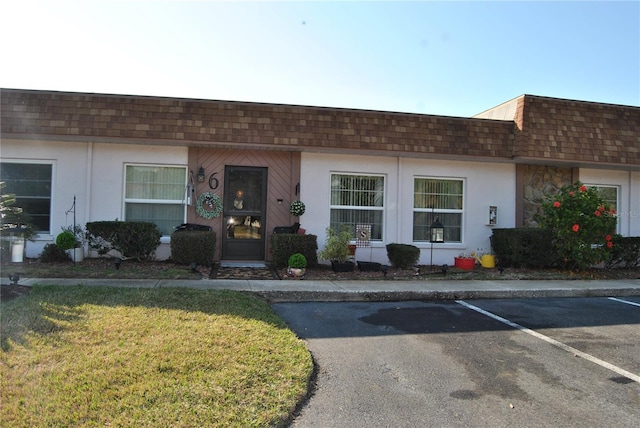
213, 181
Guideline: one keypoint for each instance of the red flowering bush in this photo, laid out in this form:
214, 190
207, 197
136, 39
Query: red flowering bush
582, 225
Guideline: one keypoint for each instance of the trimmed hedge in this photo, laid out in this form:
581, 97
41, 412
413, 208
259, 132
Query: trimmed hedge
625, 252
189, 246
403, 256
132, 239
283, 245
51, 253
523, 247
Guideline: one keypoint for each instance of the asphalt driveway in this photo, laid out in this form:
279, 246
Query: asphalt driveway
533, 362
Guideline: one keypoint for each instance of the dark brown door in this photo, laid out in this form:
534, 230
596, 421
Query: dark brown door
245, 196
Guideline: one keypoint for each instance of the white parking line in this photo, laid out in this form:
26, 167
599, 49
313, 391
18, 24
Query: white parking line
554, 342
624, 301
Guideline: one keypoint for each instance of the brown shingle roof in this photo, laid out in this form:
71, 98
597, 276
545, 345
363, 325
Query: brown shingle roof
543, 129
150, 120
577, 132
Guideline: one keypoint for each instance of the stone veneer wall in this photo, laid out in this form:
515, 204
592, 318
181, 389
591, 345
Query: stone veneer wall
540, 181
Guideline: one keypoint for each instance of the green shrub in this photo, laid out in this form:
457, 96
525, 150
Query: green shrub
523, 247
625, 252
403, 256
132, 239
285, 244
193, 246
297, 261
66, 240
582, 224
51, 253
336, 245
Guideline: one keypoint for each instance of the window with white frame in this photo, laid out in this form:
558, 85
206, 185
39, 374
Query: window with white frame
155, 194
357, 199
31, 185
609, 195
437, 198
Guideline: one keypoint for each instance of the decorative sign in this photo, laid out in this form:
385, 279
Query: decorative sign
493, 216
363, 235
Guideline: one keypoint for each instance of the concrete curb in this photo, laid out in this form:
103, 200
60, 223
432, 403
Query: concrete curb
376, 291
368, 296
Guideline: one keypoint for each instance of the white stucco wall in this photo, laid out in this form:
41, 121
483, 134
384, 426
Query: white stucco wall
485, 184
107, 178
628, 184
93, 173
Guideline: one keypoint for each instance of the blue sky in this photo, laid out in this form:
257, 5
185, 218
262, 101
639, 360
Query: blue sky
445, 58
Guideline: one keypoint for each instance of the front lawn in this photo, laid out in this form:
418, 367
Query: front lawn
100, 356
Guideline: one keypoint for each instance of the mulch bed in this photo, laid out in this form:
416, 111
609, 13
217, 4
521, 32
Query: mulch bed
11, 291
130, 269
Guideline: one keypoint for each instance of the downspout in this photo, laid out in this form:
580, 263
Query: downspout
629, 193
87, 189
398, 198
87, 198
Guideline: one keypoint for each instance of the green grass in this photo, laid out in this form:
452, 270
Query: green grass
101, 356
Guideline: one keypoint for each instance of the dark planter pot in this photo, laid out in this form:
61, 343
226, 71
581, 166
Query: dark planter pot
342, 266
369, 266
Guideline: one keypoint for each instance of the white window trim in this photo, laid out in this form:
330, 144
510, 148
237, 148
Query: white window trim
374, 242
461, 211
52, 198
182, 201
618, 202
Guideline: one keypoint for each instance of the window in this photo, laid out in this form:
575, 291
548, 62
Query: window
31, 183
155, 194
439, 198
357, 199
609, 194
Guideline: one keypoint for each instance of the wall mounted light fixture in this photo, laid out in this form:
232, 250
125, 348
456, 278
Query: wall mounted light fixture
279, 201
200, 174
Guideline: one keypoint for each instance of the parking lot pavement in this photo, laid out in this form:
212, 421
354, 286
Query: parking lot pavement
528, 362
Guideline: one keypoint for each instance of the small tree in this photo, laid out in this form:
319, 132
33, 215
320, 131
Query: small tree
12, 217
582, 226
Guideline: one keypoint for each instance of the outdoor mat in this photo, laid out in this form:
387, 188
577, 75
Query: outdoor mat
226, 271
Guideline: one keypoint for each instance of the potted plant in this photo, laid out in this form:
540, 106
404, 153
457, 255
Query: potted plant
297, 208
297, 265
80, 240
66, 240
336, 249
15, 227
465, 262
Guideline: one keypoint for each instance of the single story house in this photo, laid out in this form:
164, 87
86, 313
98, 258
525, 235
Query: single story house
237, 166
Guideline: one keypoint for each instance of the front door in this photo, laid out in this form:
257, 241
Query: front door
245, 197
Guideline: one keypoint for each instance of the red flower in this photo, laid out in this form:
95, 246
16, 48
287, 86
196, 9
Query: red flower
601, 208
610, 244
583, 188
575, 227
597, 213
608, 237
571, 193
556, 204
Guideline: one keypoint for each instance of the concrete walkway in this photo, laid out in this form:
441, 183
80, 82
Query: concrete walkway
377, 290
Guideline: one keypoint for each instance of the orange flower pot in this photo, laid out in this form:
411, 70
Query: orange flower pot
465, 263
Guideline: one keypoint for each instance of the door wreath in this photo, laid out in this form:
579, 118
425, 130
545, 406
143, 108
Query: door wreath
209, 205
